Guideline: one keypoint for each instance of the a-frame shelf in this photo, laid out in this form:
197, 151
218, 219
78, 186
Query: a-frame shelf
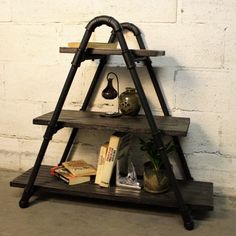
184, 194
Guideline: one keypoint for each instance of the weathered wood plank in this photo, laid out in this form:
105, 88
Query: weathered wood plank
99, 51
174, 126
199, 195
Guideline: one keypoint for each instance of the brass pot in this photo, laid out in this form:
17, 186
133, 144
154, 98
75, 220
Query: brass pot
155, 181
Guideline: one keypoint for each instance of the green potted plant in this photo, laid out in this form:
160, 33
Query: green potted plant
155, 178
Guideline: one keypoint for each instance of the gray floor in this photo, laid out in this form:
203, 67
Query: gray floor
57, 216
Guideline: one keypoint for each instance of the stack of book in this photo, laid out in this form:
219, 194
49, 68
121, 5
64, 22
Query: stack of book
74, 172
111, 153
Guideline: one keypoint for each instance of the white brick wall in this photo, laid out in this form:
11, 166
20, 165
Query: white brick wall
5, 10
187, 45
31, 43
197, 76
2, 91
205, 90
230, 47
73, 11
208, 11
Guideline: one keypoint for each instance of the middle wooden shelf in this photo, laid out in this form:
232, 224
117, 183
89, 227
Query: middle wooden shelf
173, 126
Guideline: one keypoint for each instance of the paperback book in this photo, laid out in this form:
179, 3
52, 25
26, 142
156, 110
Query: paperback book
62, 173
79, 168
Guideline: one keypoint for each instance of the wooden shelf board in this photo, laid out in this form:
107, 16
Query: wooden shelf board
198, 195
100, 51
174, 126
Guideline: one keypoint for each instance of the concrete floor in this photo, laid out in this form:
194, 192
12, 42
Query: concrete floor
56, 216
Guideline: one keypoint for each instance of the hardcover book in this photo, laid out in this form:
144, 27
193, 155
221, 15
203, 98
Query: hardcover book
117, 146
101, 161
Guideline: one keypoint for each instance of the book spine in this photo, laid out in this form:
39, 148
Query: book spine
101, 161
108, 167
62, 178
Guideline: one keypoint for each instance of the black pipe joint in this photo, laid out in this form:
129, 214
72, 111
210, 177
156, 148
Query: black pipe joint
131, 27
101, 20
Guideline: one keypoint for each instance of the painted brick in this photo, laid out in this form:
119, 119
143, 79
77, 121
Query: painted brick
48, 107
186, 45
16, 120
228, 134
230, 47
219, 178
211, 161
28, 150
75, 32
30, 43
214, 168
9, 153
5, 10
207, 91
60, 11
165, 11
73, 11
203, 134
27, 81
232, 102
208, 11
2, 90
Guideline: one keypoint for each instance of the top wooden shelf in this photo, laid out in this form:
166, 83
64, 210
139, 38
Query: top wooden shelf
98, 51
174, 126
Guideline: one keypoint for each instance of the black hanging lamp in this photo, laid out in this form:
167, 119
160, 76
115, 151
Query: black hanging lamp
111, 93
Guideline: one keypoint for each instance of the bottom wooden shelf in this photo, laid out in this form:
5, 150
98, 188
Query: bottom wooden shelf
198, 195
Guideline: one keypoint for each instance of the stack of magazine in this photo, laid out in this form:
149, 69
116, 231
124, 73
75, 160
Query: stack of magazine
74, 172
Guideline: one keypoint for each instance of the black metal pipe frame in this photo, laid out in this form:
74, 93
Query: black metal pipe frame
129, 60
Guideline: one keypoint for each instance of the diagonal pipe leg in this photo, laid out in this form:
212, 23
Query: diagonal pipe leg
29, 188
185, 212
148, 63
87, 100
